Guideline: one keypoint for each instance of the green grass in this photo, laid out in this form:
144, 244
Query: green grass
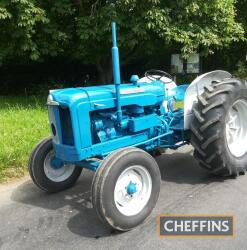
23, 122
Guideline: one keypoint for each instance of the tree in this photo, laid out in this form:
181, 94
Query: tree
81, 29
18, 21
34, 30
239, 50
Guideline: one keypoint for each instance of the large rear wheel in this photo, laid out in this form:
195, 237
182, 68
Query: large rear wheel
219, 128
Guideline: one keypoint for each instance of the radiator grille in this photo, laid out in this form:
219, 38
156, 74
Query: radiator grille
66, 126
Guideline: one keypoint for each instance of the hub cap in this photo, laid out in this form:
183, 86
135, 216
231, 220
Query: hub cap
236, 128
132, 190
58, 172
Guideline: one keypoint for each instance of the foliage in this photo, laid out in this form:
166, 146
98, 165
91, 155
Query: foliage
23, 122
147, 27
241, 6
81, 29
19, 21
241, 71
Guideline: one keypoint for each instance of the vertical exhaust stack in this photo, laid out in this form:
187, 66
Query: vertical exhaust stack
116, 71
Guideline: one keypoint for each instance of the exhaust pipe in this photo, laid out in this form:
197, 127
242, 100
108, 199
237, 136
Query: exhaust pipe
116, 71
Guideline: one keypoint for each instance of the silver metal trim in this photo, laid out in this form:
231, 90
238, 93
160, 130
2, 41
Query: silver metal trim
51, 102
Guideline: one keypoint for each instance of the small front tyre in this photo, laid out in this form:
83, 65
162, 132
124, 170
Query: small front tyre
47, 172
125, 188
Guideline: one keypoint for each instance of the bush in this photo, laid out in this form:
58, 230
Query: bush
241, 72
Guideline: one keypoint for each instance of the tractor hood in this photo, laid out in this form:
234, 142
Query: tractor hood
71, 96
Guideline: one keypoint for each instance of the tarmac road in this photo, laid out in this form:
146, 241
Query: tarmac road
32, 219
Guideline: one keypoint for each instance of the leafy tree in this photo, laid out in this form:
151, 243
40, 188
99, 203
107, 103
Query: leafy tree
18, 21
81, 28
239, 50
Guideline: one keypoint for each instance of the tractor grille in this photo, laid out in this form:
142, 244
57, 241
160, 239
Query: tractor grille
66, 126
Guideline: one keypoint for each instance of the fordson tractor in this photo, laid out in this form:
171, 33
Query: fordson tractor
115, 129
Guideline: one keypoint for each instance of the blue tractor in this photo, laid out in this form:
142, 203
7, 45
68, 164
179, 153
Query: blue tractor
115, 130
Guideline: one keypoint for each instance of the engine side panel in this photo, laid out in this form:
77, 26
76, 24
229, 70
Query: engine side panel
96, 131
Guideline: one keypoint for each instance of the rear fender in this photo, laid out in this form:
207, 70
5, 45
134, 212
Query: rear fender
196, 88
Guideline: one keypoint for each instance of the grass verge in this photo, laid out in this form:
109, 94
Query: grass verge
23, 122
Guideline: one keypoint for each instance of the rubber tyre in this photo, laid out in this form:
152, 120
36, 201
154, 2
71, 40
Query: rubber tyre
209, 130
36, 169
104, 183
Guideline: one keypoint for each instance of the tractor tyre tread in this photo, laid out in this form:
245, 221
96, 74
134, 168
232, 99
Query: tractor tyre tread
102, 177
208, 127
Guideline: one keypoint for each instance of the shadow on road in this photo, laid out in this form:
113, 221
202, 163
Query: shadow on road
178, 167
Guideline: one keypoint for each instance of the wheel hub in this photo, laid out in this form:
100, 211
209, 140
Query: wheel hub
55, 169
236, 128
132, 190
56, 163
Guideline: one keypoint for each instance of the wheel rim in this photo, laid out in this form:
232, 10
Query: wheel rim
57, 174
132, 190
236, 128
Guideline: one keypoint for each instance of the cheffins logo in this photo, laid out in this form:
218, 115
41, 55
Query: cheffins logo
196, 226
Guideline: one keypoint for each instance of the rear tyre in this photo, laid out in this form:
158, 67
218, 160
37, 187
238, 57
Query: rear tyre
219, 128
125, 188
45, 175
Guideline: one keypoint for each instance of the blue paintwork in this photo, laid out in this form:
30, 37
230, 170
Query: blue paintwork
89, 164
108, 117
81, 103
178, 92
141, 123
134, 79
116, 70
56, 163
131, 188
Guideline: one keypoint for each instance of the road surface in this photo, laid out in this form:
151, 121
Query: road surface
32, 219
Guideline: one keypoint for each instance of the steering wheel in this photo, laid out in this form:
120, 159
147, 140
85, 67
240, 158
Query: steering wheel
156, 75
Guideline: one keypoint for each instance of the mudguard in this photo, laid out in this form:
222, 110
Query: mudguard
196, 88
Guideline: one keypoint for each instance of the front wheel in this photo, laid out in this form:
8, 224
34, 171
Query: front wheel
49, 173
125, 188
